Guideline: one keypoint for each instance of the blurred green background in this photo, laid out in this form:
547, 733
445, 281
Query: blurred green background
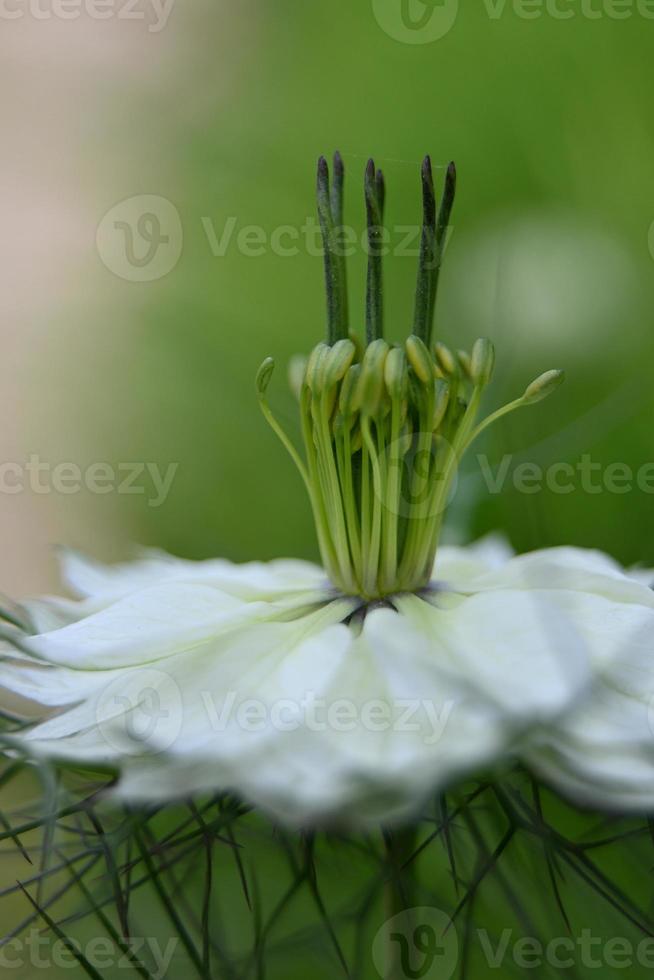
223, 113
549, 123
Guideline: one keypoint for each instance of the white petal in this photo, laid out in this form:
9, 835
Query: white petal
442, 714
251, 580
574, 569
51, 613
149, 625
195, 698
643, 575
603, 752
354, 767
520, 649
454, 564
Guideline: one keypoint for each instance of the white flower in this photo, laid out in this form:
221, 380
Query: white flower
352, 694
187, 677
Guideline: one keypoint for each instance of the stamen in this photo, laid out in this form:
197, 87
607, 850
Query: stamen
537, 391
264, 374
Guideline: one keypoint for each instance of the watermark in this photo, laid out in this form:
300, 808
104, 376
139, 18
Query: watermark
140, 239
428, 475
289, 241
566, 952
153, 13
35, 475
585, 475
42, 952
426, 21
416, 21
571, 9
140, 711
422, 942
416, 943
143, 711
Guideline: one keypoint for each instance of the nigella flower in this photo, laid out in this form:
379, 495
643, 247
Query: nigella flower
350, 693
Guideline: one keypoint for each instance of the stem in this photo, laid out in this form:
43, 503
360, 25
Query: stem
399, 887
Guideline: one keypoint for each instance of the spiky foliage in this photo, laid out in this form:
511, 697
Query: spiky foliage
245, 899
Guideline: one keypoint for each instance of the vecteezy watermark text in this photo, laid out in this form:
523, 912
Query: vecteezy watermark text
424, 943
147, 711
426, 21
39, 476
585, 475
45, 953
154, 13
288, 241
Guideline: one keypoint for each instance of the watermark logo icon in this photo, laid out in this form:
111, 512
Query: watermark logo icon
417, 944
416, 21
140, 239
140, 712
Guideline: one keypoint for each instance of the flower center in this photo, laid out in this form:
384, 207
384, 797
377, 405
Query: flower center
385, 426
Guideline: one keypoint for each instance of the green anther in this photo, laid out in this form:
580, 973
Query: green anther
338, 361
264, 374
482, 361
384, 428
371, 382
445, 358
465, 361
395, 374
419, 358
348, 402
316, 367
297, 369
543, 386
441, 401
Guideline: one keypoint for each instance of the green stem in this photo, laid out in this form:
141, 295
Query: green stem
399, 888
